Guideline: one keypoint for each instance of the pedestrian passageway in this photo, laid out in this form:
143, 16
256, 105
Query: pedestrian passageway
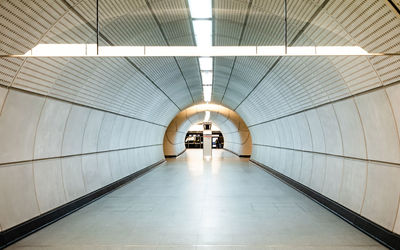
187, 203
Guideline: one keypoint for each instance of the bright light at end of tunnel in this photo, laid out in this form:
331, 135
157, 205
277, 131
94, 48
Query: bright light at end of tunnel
207, 116
200, 8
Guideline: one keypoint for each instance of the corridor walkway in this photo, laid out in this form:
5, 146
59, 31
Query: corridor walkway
188, 203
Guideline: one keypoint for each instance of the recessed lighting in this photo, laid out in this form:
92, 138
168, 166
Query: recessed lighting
206, 63
200, 8
203, 32
207, 93
207, 77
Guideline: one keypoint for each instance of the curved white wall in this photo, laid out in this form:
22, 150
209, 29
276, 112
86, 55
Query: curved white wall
52, 152
237, 137
348, 150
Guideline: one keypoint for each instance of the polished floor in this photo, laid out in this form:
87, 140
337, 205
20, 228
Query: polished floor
188, 203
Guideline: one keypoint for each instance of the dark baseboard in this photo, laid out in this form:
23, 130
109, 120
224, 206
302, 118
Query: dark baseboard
242, 156
375, 231
174, 156
16, 233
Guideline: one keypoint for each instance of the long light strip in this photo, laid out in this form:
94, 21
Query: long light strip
205, 53
201, 12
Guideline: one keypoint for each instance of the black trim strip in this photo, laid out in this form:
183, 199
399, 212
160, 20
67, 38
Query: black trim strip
298, 35
329, 154
375, 231
166, 41
75, 155
75, 103
31, 226
394, 6
175, 156
384, 87
71, 8
246, 19
241, 156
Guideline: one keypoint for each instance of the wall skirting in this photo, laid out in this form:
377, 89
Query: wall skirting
16, 233
375, 231
242, 156
174, 156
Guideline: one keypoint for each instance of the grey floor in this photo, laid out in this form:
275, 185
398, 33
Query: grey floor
188, 203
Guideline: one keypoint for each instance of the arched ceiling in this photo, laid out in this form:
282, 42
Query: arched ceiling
156, 89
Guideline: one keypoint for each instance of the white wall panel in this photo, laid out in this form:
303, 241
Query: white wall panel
382, 194
105, 135
318, 172
379, 125
18, 126
17, 194
74, 130
332, 134
92, 130
72, 174
333, 177
317, 133
50, 130
393, 93
351, 129
49, 184
353, 184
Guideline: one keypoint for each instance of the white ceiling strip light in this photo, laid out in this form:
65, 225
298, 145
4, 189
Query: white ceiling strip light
205, 53
201, 12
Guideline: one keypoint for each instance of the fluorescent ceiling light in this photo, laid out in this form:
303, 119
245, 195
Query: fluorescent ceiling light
340, 50
206, 63
207, 116
200, 8
90, 50
207, 93
271, 50
207, 77
203, 32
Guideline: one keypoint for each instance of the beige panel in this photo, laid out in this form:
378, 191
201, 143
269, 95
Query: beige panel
3, 95
397, 225
50, 130
330, 126
17, 196
90, 172
380, 128
382, 195
394, 97
106, 132
333, 177
306, 168
18, 123
296, 169
317, 133
318, 172
49, 184
351, 129
353, 184
74, 130
74, 185
304, 131
92, 130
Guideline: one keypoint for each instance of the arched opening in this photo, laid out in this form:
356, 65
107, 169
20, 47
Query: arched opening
194, 136
230, 133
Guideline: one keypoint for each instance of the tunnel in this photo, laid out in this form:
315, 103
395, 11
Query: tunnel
97, 97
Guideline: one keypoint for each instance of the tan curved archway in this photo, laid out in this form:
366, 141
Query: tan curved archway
237, 136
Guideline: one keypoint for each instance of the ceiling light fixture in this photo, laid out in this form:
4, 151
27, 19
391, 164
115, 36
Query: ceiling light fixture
206, 63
